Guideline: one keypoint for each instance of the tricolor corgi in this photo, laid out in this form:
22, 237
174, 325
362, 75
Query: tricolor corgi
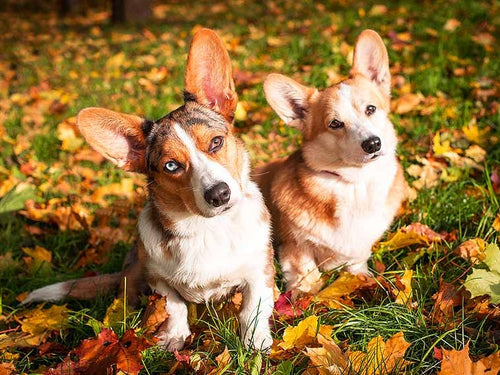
333, 198
205, 230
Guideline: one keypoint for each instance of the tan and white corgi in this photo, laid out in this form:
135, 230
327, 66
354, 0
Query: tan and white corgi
205, 230
333, 198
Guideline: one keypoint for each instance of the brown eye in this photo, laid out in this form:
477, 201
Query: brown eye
370, 110
216, 144
336, 124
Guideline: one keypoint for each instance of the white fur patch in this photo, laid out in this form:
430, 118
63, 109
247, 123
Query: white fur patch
206, 173
54, 292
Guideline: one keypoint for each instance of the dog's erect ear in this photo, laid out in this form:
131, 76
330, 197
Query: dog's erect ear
371, 60
208, 74
288, 98
116, 136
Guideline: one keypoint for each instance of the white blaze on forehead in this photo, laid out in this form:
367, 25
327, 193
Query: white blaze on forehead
205, 172
345, 92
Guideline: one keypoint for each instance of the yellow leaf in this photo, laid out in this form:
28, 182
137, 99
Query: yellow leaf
40, 258
68, 135
381, 357
39, 321
473, 134
403, 297
240, 114
413, 234
496, 223
116, 61
337, 293
304, 333
440, 147
116, 313
223, 359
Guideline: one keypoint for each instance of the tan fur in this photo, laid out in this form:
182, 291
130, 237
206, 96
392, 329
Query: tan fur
309, 193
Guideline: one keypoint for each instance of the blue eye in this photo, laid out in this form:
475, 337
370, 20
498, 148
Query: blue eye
171, 166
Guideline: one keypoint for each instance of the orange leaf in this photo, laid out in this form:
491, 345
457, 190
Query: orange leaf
304, 333
381, 357
459, 359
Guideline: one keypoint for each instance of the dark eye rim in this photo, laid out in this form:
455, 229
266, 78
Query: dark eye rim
213, 149
179, 166
336, 124
370, 109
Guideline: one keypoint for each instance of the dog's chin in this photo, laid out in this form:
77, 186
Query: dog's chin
217, 211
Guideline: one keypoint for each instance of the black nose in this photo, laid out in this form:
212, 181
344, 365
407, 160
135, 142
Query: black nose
371, 145
218, 194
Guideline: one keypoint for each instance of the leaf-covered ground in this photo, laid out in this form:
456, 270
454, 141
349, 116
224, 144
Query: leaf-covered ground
65, 213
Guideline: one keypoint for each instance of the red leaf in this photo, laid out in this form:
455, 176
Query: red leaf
97, 355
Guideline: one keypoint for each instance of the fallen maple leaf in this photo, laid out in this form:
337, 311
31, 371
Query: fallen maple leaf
452, 24
286, 308
413, 234
99, 354
453, 360
36, 326
337, 293
328, 359
304, 333
116, 314
381, 357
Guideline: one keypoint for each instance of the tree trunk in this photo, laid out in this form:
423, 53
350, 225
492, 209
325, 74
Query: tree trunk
131, 10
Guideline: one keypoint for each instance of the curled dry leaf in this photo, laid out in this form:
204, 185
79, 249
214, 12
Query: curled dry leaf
404, 292
328, 359
155, 314
445, 300
413, 234
472, 250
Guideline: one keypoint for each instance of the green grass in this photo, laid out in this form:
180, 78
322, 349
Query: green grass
67, 61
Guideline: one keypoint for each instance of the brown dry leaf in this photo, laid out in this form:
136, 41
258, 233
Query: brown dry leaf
459, 359
406, 103
304, 333
404, 294
155, 314
472, 250
445, 299
381, 357
337, 293
223, 360
100, 354
328, 359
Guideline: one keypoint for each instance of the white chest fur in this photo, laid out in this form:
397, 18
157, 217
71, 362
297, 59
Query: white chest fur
208, 257
361, 213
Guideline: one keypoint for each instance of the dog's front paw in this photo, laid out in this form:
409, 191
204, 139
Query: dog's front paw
359, 269
173, 338
260, 339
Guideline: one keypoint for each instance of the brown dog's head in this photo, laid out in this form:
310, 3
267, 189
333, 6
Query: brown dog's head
191, 158
345, 125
